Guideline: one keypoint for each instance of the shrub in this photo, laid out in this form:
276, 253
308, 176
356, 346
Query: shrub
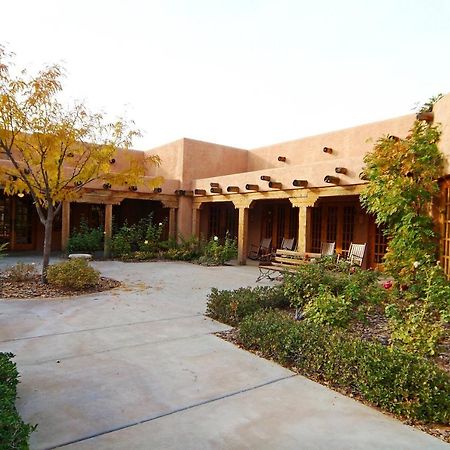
3, 248
214, 253
329, 308
21, 272
85, 240
393, 379
75, 273
14, 433
232, 306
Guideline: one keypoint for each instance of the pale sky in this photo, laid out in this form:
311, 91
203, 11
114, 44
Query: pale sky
245, 73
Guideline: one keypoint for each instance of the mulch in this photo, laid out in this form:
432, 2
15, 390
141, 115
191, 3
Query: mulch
34, 288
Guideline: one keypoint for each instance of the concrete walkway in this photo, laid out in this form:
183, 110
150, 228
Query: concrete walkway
140, 368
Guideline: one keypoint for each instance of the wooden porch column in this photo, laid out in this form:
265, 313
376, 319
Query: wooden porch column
65, 225
172, 223
108, 231
196, 220
304, 218
243, 206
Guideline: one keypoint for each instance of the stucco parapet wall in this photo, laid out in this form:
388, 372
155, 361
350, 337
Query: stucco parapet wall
314, 173
346, 143
303, 197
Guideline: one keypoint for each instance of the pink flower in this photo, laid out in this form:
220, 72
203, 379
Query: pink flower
387, 284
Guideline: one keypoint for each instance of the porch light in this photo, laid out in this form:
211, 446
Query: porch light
340, 170
275, 185
133, 188
216, 190
214, 185
331, 179
233, 189
251, 187
300, 183
265, 177
157, 190
282, 158
328, 150
199, 191
20, 194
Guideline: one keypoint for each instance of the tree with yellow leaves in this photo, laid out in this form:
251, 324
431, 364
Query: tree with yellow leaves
53, 151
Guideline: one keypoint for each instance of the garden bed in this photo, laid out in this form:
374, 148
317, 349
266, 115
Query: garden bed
35, 288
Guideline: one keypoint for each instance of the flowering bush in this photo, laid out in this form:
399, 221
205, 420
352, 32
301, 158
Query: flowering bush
214, 253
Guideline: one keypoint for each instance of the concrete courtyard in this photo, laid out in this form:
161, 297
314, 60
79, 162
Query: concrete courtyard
139, 367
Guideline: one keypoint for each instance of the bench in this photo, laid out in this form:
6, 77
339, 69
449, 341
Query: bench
284, 261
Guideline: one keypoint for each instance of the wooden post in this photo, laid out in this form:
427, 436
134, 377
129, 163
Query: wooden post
304, 218
196, 221
65, 225
243, 206
243, 235
172, 223
108, 231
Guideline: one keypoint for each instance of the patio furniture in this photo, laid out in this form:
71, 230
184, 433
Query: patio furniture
282, 261
287, 244
356, 254
327, 248
261, 251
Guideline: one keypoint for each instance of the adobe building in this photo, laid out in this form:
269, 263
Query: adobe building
307, 189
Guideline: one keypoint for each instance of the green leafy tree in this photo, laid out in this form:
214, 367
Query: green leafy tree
403, 179
54, 151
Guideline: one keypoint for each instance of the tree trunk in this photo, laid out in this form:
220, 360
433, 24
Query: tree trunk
47, 242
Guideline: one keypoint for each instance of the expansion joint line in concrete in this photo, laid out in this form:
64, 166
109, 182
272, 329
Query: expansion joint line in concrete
129, 324
186, 408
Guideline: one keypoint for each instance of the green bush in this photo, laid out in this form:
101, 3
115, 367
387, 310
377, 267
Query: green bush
21, 272
214, 253
397, 381
85, 240
14, 433
75, 274
3, 248
232, 306
329, 308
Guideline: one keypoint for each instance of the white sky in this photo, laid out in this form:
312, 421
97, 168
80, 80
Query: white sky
245, 73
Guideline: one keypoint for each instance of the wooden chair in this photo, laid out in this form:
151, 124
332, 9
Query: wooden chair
327, 248
287, 244
356, 254
261, 251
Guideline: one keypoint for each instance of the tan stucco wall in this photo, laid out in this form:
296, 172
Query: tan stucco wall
346, 144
